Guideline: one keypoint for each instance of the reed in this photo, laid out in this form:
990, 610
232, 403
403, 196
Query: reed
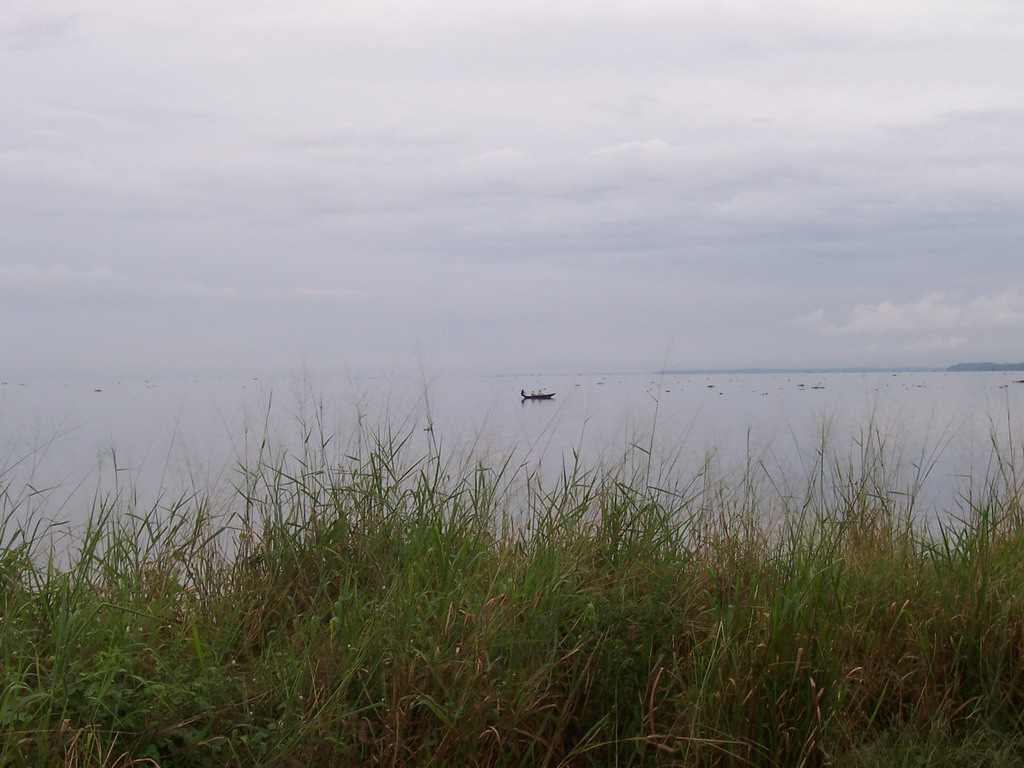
387, 608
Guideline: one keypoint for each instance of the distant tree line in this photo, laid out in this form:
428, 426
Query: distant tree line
987, 367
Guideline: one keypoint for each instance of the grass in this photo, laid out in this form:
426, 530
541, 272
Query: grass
397, 610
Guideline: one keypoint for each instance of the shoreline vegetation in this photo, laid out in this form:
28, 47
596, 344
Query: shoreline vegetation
394, 609
744, 371
983, 367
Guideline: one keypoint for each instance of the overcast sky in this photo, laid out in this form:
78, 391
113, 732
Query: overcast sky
219, 187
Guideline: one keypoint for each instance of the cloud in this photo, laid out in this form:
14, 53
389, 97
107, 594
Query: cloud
939, 344
389, 171
62, 284
935, 312
31, 26
649, 145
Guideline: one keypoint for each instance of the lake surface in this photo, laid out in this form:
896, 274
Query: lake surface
64, 444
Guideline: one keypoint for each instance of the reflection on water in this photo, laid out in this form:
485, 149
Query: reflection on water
65, 444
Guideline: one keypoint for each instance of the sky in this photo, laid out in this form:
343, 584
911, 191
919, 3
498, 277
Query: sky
235, 187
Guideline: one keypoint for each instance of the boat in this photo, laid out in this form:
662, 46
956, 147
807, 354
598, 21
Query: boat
535, 396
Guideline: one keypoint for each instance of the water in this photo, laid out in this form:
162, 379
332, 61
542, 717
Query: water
65, 444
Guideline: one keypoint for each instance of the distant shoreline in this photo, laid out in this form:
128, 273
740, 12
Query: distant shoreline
958, 368
961, 367
708, 371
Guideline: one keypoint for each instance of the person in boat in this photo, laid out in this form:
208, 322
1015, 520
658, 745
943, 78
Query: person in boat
534, 395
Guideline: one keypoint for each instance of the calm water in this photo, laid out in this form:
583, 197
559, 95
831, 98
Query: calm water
62, 444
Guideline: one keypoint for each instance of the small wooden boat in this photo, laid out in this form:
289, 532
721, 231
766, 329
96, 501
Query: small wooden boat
534, 396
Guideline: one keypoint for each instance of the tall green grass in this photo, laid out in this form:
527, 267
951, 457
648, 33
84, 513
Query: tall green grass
390, 608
